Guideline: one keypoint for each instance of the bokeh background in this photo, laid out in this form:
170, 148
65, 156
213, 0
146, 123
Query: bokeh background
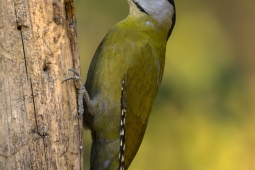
204, 114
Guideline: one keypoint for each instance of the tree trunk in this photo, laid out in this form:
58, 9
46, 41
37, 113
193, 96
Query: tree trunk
39, 128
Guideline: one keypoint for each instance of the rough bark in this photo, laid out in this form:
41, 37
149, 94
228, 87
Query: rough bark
39, 128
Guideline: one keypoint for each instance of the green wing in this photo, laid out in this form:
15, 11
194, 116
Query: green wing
142, 81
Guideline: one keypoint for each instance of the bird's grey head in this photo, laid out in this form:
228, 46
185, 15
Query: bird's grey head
162, 10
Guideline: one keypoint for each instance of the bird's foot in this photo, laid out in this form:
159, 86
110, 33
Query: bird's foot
81, 92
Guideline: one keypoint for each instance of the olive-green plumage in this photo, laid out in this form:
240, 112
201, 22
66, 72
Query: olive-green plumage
133, 51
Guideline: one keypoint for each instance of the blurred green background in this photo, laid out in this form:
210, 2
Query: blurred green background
203, 117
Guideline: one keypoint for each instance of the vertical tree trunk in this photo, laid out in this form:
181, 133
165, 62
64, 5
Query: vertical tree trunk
39, 128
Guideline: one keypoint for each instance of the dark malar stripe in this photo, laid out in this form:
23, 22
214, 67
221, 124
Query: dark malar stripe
139, 7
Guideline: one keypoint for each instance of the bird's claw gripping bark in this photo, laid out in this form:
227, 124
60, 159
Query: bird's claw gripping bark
81, 91
76, 76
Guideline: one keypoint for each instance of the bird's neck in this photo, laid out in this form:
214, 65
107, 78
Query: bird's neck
149, 24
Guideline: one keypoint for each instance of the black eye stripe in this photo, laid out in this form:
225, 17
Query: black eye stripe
139, 7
